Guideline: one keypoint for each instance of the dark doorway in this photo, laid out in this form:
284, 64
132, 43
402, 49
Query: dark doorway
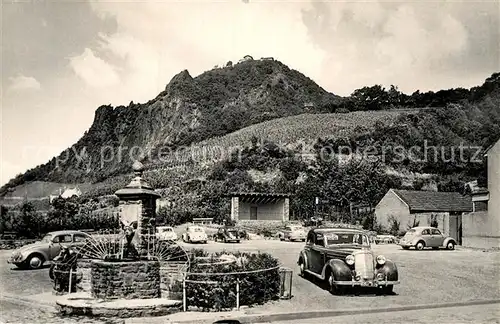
253, 213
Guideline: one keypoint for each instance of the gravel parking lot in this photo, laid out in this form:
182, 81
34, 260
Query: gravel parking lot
427, 277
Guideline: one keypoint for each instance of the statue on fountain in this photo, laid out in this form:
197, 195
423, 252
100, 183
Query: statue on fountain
130, 244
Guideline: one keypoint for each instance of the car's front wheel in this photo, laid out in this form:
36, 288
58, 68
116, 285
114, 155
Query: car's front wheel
35, 261
450, 246
332, 287
302, 268
420, 246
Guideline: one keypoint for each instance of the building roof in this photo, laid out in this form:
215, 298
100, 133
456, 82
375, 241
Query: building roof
68, 193
433, 201
491, 146
259, 197
259, 194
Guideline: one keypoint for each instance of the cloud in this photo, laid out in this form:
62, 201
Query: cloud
154, 40
425, 46
22, 83
93, 70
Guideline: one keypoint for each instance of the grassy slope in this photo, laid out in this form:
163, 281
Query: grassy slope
175, 168
287, 131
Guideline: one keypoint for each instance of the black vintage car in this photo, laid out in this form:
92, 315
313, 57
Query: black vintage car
227, 234
343, 258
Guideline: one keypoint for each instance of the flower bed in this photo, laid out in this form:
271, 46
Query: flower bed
209, 288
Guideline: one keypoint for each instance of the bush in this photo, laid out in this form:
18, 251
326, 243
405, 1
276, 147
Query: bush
395, 224
255, 288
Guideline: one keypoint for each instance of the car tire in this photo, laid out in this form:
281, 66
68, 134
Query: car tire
420, 245
35, 261
388, 290
302, 268
334, 289
450, 246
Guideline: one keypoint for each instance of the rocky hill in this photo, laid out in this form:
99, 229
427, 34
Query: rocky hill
189, 110
256, 98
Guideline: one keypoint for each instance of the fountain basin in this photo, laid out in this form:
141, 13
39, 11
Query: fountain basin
82, 303
125, 279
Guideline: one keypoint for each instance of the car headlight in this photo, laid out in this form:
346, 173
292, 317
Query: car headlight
381, 259
349, 259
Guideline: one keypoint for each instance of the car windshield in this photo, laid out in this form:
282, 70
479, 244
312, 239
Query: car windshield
47, 238
346, 238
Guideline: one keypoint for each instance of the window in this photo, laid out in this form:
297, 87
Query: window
62, 239
426, 232
80, 237
435, 231
320, 239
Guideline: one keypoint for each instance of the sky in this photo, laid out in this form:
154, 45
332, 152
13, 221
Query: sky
61, 59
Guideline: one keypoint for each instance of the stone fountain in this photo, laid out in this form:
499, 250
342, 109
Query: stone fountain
127, 278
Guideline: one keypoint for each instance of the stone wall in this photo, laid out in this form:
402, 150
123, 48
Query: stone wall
480, 230
127, 280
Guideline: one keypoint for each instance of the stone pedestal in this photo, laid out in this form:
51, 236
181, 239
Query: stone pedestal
171, 274
84, 267
125, 279
138, 205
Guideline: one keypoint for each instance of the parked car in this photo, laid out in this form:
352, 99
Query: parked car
343, 258
313, 221
424, 236
227, 234
293, 233
165, 233
34, 255
195, 234
385, 239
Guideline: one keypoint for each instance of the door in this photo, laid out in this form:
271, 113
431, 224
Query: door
253, 213
455, 227
437, 239
318, 254
55, 246
427, 237
79, 241
308, 249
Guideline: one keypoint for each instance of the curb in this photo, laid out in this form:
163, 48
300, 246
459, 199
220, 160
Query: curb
266, 318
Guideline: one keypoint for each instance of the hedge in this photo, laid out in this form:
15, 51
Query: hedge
255, 288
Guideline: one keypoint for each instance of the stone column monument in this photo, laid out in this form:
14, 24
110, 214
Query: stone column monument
138, 212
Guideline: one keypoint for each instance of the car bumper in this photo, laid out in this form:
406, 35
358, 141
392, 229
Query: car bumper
367, 283
198, 239
297, 237
15, 261
167, 239
405, 244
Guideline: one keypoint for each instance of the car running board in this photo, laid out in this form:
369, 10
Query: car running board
314, 274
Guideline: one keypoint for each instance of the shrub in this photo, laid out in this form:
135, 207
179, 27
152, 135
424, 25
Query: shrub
395, 224
255, 288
